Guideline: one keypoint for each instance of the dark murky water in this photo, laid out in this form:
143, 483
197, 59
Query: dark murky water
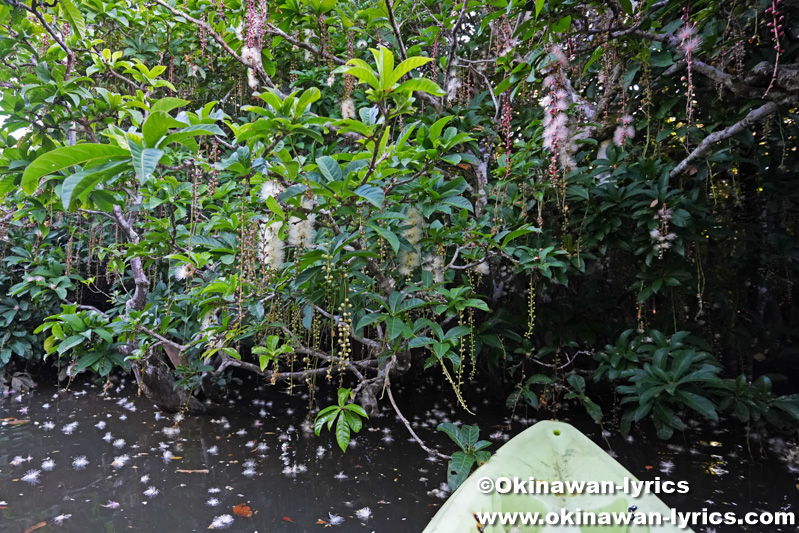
296, 481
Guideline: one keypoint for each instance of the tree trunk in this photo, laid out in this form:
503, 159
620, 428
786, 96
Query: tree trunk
156, 381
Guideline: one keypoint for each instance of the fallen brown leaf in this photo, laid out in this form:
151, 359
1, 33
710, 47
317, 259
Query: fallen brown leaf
37, 526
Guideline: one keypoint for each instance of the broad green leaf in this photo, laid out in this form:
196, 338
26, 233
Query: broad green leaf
156, 126
68, 156
144, 160
458, 469
373, 195
365, 75
74, 16
388, 235
168, 104
700, 404
307, 98
189, 132
329, 168
80, 184
70, 342
421, 84
405, 67
343, 433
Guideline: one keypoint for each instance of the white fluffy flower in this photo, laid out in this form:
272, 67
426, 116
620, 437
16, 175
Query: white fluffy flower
271, 250
252, 79
182, 272
221, 522
269, 189
301, 232
348, 108
251, 55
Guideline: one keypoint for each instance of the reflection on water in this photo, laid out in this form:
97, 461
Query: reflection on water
79, 460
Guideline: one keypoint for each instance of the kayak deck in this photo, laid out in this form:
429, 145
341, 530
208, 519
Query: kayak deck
550, 452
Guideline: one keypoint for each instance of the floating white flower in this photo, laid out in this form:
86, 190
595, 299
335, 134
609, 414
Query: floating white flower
31, 476
221, 522
79, 462
364, 514
58, 520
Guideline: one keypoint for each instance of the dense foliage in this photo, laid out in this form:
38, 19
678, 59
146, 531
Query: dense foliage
322, 190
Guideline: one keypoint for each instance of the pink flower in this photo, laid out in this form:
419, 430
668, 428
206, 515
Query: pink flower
685, 33
691, 45
560, 55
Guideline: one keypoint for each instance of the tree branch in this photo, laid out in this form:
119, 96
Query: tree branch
430, 451
707, 143
258, 67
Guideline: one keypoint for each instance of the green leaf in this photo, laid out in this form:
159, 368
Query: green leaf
70, 342
74, 16
343, 395
80, 184
389, 236
700, 404
373, 195
458, 469
394, 327
368, 320
343, 433
68, 156
168, 104
405, 67
539, 5
357, 409
420, 84
453, 432
156, 126
144, 160
364, 74
329, 168
275, 208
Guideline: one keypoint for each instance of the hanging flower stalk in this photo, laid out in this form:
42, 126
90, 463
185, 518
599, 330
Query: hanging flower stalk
557, 134
689, 43
775, 27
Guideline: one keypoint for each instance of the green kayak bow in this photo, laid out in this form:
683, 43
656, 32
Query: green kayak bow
554, 470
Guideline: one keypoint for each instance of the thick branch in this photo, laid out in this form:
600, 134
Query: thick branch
274, 30
707, 143
139, 298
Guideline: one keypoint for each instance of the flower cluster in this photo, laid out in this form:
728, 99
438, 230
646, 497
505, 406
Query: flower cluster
348, 108
624, 130
271, 251
557, 134
689, 43
409, 260
433, 263
301, 232
661, 236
